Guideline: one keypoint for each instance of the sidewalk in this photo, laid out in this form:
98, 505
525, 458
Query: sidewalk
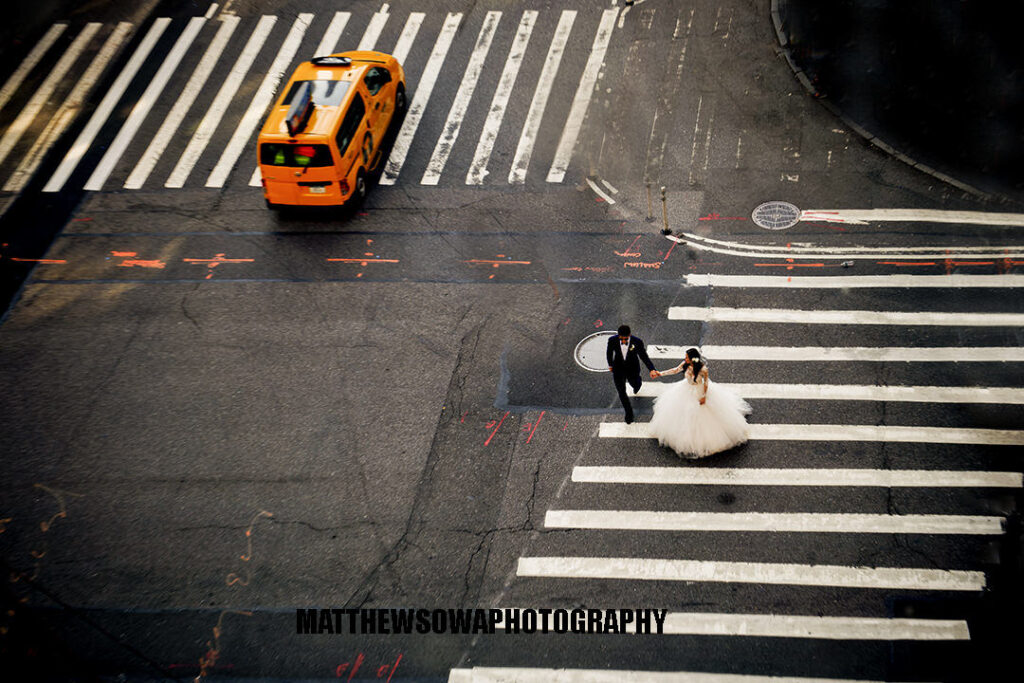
938, 84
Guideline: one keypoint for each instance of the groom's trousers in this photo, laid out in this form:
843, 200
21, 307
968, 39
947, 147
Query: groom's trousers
635, 381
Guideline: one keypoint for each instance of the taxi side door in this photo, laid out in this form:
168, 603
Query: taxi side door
379, 91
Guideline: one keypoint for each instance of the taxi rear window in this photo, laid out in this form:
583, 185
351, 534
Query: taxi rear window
302, 156
325, 93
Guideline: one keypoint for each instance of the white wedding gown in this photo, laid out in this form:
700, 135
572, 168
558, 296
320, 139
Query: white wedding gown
693, 430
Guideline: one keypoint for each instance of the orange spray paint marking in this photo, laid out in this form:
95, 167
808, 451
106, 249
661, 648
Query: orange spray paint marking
38, 260
3, 523
212, 263
669, 251
463, 420
790, 265
209, 659
496, 264
577, 269
131, 262
598, 323
58, 495
535, 426
637, 264
629, 250
81, 220
362, 261
488, 442
906, 263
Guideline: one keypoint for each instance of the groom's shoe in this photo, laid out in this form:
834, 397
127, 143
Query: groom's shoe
629, 419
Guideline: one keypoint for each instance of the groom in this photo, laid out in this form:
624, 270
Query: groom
624, 355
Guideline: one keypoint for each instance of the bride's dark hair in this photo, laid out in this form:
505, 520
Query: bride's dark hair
696, 360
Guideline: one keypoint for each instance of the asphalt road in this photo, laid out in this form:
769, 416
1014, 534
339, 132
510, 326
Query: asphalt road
214, 414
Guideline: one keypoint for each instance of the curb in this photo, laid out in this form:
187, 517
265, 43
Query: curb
860, 130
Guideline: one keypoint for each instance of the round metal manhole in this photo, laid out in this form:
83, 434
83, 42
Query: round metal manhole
592, 352
776, 215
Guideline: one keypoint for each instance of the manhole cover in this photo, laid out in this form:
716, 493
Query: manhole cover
592, 352
776, 215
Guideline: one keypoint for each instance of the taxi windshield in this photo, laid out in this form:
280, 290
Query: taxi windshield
325, 93
301, 156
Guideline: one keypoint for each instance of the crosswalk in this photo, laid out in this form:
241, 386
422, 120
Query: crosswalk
197, 89
615, 518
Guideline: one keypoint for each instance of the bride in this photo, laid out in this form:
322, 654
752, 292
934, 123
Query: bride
696, 418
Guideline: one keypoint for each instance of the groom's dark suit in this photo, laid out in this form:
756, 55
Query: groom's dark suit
627, 369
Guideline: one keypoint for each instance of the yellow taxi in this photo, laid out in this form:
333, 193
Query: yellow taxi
323, 137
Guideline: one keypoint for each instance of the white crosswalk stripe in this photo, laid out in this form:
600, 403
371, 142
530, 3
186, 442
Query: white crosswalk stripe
581, 101
143, 106
496, 112
528, 137
105, 108
457, 113
618, 520
592, 30
260, 101
31, 60
419, 101
203, 134
42, 95
188, 96
69, 108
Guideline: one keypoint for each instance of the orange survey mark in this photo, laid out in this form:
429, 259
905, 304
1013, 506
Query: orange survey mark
234, 578
497, 425
790, 265
212, 263
39, 260
131, 262
209, 659
629, 253
496, 263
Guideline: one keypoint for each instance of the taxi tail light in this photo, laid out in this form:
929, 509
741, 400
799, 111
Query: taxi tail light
343, 186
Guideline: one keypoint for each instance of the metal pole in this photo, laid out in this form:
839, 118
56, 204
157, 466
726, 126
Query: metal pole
650, 210
664, 212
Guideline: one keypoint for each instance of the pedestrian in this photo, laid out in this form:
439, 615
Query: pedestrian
695, 418
625, 352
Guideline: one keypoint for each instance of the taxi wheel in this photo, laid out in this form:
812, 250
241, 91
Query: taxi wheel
400, 102
360, 187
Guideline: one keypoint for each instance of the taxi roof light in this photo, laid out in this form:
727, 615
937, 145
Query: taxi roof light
331, 60
300, 110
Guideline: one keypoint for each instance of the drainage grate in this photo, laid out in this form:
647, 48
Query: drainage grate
776, 215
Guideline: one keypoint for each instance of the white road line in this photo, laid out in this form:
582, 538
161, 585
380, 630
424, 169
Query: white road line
69, 109
329, 43
837, 317
580, 103
405, 41
400, 149
862, 392
782, 522
29, 63
168, 129
496, 112
260, 101
502, 674
882, 354
643, 569
211, 10
143, 106
900, 281
452, 125
105, 108
863, 217
817, 252
798, 626
827, 432
598, 192
528, 136
733, 476
373, 29
221, 102
45, 91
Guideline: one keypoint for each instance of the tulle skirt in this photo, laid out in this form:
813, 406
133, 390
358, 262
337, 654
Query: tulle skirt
693, 430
